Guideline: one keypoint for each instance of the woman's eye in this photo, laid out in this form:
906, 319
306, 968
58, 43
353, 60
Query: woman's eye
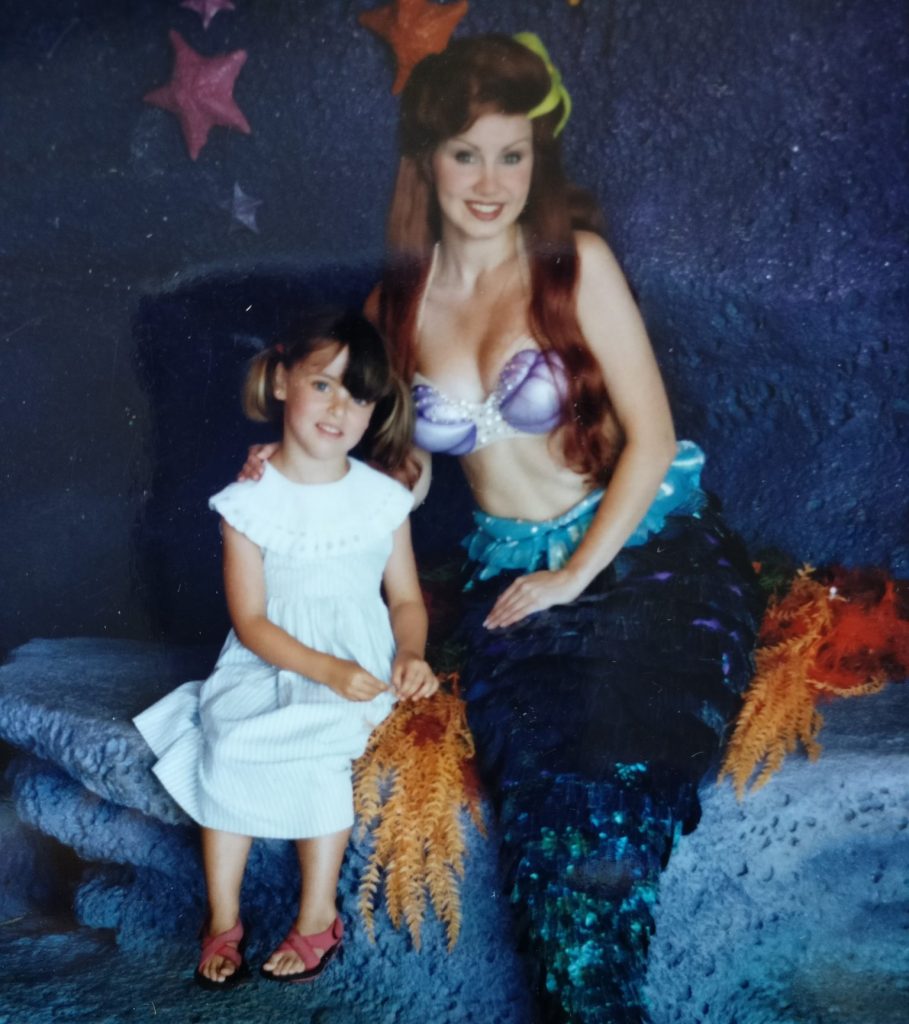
513, 158
463, 156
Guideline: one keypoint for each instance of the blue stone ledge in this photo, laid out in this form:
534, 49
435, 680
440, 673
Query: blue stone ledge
789, 908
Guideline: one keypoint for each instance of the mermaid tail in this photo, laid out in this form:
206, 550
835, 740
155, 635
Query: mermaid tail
594, 723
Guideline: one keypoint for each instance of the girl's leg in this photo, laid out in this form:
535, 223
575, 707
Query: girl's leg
320, 868
224, 856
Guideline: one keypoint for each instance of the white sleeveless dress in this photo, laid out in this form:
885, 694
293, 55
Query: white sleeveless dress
255, 749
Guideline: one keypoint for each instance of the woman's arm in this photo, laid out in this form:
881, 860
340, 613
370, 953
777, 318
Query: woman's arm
256, 457
244, 586
613, 327
615, 332
411, 676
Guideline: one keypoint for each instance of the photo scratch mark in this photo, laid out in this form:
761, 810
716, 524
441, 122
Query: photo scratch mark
73, 23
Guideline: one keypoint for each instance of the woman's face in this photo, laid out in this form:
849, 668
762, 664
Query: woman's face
482, 176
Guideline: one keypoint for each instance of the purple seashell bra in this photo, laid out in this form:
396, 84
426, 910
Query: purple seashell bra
527, 399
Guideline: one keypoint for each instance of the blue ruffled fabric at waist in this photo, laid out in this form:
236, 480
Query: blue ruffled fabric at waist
498, 544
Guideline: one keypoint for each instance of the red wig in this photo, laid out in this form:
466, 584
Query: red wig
444, 96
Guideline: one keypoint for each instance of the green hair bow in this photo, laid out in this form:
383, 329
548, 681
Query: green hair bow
557, 92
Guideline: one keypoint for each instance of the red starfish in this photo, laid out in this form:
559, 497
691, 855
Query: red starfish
413, 29
200, 93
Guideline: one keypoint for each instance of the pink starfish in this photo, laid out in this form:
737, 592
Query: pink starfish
200, 93
207, 9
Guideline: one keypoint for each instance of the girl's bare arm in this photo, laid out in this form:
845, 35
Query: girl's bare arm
411, 677
244, 586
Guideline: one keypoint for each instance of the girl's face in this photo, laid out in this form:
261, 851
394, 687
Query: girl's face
322, 420
482, 176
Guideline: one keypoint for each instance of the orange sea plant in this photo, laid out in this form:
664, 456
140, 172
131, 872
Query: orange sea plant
412, 788
836, 632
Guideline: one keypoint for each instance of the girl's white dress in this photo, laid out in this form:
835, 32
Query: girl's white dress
258, 750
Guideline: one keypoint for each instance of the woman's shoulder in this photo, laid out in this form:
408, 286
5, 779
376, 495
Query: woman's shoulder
601, 282
594, 253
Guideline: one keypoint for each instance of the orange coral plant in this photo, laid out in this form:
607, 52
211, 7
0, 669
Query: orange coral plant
838, 633
411, 786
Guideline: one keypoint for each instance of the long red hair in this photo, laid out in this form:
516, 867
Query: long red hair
444, 96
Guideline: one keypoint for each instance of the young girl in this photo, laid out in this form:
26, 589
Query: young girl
315, 659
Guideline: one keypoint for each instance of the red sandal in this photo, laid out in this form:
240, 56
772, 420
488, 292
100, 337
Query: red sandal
305, 947
219, 945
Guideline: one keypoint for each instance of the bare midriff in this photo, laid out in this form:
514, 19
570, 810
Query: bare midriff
524, 478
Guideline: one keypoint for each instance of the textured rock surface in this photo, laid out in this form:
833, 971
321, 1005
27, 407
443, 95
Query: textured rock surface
789, 908
793, 906
94, 982
71, 703
86, 781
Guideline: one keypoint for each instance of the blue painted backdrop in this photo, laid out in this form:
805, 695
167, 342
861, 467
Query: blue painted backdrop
751, 158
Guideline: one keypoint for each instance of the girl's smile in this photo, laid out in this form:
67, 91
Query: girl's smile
322, 420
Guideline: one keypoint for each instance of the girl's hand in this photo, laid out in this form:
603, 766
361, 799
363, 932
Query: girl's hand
352, 682
256, 458
533, 593
411, 677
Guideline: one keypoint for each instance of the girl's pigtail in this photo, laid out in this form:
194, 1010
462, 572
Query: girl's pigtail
258, 398
390, 436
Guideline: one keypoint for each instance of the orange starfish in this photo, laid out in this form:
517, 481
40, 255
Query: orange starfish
413, 29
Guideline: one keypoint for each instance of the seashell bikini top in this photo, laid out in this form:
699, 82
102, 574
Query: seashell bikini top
528, 399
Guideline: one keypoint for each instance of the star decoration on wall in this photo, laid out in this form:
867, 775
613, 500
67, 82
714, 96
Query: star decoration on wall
200, 93
207, 9
243, 209
413, 29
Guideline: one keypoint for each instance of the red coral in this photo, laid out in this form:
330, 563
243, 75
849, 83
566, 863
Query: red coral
837, 632
424, 729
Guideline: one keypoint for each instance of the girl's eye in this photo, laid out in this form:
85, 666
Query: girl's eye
321, 385
362, 401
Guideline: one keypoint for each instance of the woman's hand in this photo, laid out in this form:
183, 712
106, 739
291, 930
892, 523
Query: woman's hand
533, 593
256, 458
352, 682
411, 677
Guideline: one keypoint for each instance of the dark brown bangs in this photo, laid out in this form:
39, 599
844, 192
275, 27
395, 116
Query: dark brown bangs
368, 373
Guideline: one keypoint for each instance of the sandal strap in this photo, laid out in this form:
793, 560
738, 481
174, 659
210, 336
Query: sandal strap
305, 945
217, 945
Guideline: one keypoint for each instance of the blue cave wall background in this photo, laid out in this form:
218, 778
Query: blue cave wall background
751, 159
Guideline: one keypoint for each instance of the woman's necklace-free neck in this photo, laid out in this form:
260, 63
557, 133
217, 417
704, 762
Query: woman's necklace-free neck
462, 262
488, 283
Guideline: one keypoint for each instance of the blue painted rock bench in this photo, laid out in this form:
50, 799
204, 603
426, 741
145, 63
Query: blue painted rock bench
789, 907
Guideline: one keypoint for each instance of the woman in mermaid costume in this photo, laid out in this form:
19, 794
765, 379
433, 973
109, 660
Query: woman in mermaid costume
610, 613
